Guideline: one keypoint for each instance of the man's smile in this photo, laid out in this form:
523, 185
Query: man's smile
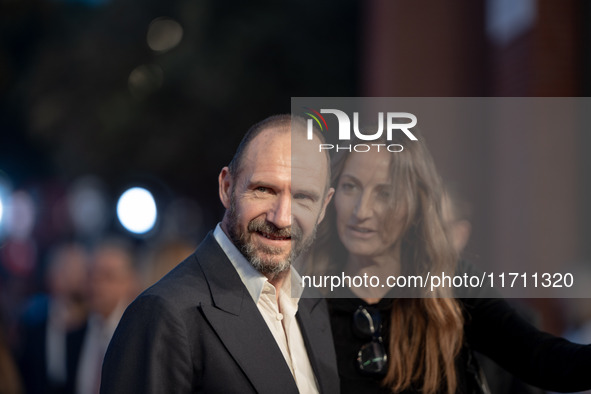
273, 237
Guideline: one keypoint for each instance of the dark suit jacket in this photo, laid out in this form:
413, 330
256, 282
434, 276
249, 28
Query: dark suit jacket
33, 354
198, 330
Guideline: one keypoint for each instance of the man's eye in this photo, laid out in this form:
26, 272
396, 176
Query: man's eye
302, 196
262, 189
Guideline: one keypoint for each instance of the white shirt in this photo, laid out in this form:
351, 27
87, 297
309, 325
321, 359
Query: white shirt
97, 338
280, 318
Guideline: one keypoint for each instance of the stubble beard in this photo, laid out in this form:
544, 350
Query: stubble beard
262, 257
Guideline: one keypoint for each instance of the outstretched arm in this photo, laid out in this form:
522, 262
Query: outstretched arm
494, 328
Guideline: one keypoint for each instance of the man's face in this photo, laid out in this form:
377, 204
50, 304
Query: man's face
111, 281
270, 220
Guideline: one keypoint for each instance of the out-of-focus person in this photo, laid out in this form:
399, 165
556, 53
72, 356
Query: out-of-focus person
53, 324
456, 214
10, 380
113, 283
162, 258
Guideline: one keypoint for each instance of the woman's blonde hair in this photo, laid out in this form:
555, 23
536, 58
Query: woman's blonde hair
426, 333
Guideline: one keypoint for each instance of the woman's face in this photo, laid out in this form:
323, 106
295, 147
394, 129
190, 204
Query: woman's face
363, 201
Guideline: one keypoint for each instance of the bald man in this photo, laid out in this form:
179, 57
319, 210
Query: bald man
229, 318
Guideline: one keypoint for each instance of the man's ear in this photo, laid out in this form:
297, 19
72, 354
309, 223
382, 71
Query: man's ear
225, 186
325, 203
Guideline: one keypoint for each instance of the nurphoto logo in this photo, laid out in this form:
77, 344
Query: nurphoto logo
393, 124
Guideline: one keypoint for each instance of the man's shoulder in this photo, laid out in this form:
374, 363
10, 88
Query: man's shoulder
185, 280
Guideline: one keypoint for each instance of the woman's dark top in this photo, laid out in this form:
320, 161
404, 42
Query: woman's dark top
491, 327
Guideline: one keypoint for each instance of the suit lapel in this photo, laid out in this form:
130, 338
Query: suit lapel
239, 324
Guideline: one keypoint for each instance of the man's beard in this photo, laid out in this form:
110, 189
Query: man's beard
258, 256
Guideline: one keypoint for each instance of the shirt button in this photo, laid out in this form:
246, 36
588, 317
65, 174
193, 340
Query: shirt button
279, 316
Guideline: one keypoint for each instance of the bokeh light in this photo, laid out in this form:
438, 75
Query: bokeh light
164, 34
20, 215
136, 210
87, 205
145, 79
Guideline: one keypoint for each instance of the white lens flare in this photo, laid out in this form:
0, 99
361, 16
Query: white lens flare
136, 210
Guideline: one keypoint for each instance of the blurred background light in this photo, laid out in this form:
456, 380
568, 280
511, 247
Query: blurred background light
87, 206
508, 19
136, 210
164, 34
145, 79
20, 215
5, 191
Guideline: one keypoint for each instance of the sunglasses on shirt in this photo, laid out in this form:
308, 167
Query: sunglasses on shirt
367, 324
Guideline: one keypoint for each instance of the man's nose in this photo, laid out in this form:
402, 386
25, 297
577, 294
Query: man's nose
280, 212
